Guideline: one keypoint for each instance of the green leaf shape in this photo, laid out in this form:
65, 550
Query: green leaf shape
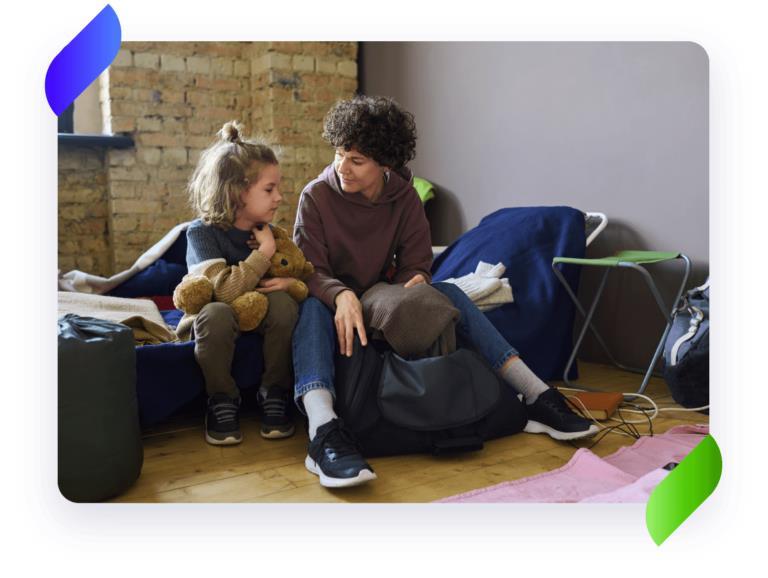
683, 490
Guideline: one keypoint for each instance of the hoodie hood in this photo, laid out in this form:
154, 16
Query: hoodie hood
400, 182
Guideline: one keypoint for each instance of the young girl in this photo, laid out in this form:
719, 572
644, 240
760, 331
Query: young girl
235, 191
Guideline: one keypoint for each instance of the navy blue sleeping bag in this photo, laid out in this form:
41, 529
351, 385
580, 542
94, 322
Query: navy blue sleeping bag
539, 324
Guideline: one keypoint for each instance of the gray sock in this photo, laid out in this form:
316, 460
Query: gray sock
517, 374
318, 403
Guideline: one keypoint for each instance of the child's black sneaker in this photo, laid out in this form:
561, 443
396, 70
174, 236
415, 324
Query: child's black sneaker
275, 421
551, 415
335, 456
222, 420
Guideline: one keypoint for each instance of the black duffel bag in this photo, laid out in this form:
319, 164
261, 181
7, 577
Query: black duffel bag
437, 405
100, 449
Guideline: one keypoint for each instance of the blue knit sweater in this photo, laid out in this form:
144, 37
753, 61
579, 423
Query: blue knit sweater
205, 242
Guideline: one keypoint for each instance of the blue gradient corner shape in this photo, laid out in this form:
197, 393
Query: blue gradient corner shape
82, 60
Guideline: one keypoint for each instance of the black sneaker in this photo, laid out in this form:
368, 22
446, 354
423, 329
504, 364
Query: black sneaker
222, 420
275, 422
335, 457
551, 415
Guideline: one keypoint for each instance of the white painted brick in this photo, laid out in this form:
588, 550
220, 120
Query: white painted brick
326, 66
303, 63
171, 63
347, 68
278, 61
242, 68
199, 64
146, 60
222, 66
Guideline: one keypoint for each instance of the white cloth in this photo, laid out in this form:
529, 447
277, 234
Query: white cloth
486, 287
87, 283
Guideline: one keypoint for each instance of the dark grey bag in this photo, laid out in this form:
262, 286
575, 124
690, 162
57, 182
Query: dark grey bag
436, 405
100, 449
436, 393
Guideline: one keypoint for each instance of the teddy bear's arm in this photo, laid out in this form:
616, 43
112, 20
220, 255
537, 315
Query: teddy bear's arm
298, 290
229, 282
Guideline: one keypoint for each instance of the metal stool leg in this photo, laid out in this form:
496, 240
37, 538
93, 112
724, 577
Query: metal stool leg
592, 328
666, 312
587, 321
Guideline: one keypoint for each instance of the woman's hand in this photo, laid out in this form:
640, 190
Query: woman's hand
263, 240
275, 284
349, 316
415, 280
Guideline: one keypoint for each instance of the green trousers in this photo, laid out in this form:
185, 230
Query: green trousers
215, 331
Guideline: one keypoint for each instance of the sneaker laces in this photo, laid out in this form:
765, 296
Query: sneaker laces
225, 412
341, 439
274, 407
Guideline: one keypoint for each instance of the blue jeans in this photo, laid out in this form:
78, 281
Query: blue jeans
474, 330
315, 343
314, 347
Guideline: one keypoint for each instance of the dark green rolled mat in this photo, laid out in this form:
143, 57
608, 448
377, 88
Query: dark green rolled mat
100, 449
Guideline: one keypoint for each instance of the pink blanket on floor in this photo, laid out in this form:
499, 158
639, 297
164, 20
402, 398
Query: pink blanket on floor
628, 475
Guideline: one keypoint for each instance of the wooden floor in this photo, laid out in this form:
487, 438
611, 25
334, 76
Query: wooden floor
179, 466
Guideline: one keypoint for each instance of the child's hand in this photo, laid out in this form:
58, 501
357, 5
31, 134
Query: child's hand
275, 284
263, 240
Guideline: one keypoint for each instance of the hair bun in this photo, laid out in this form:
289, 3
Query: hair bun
231, 131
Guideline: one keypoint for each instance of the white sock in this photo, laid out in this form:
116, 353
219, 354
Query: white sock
519, 376
318, 403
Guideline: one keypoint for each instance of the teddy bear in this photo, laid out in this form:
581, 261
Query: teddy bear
196, 291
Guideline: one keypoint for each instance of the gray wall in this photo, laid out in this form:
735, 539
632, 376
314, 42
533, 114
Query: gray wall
616, 127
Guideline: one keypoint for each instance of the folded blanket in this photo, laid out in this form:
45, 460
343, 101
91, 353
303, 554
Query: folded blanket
87, 283
141, 315
412, 320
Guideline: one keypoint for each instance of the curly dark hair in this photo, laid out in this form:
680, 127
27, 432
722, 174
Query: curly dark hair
374, 125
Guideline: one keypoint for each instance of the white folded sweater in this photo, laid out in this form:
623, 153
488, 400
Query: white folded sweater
485, 287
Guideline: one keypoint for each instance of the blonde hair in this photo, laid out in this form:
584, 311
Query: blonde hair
224, 171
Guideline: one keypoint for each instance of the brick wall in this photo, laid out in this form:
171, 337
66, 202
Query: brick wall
83, 222
294, 85
172, 97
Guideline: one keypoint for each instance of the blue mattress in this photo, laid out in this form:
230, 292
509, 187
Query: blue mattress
168, 377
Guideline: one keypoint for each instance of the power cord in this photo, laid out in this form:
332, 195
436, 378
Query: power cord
625, 427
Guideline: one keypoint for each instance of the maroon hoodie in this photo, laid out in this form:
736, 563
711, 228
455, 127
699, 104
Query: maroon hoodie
353, 242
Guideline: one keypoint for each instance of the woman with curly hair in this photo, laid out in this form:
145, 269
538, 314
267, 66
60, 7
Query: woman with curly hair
361, 222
